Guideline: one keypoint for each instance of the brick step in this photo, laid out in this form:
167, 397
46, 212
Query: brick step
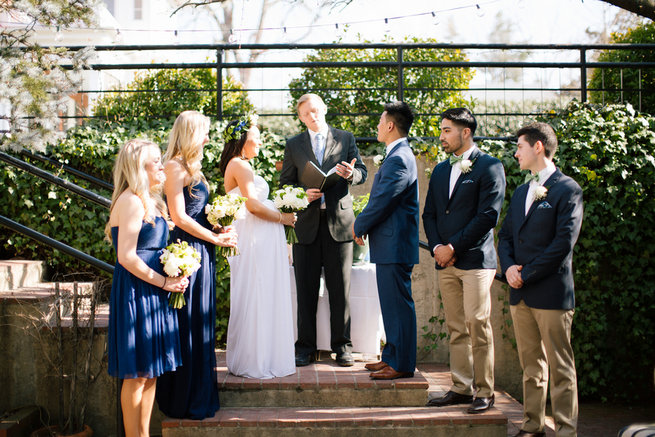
20, 273
321, 384
342, 421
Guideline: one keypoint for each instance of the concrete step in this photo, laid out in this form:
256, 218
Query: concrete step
20, 273
321, 384
342, 421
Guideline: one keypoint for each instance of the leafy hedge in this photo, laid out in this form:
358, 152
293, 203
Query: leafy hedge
610, 152
92, 148
364, 91
627, 78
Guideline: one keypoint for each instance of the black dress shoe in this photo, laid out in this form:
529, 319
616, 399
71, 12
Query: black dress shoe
480, 405
450, 398
305, 359
522, 433
345, 359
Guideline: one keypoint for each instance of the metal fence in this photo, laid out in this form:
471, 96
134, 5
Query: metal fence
510, 80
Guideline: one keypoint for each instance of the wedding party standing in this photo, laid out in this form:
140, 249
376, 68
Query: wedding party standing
462, 207
535, 247
143, 339
260, 330
324, 228
192, 391
390, 219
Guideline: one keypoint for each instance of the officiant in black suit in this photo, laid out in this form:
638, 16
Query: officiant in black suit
324, 228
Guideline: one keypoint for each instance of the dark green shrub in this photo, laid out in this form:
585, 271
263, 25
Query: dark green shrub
631, 78
610, 152
365, 90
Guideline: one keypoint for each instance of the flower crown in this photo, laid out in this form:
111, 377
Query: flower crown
235, 131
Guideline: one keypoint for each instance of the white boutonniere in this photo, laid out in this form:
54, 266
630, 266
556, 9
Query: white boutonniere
540, 192
465, 165
378, 160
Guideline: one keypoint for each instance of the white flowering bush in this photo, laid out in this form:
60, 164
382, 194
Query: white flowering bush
179, 259
290, 199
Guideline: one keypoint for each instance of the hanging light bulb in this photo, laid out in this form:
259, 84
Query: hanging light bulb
479, 12
118, 39
176, 35
435, 18
232, 38
58, 35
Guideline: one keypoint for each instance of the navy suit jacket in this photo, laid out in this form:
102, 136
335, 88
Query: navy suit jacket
339, 146
466, 220
542, 242
391, 216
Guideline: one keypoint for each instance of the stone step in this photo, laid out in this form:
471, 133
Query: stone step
321, 384
342, 421
20, 273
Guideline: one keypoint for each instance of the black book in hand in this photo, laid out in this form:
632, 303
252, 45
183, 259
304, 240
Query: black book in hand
313, 177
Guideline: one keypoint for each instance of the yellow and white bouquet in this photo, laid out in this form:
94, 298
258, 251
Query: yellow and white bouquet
179, 259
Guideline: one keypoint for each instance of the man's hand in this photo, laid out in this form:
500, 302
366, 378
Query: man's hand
313, 194
358, 240
443, 255
513, 275
345, 170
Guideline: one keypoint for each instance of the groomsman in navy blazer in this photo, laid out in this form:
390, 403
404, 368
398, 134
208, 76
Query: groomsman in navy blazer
462, 208
391, 222
536, 249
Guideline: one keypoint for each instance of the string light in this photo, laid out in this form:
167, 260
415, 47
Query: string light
285, 29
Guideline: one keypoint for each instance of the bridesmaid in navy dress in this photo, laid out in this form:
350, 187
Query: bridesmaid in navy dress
143, 339
192, 391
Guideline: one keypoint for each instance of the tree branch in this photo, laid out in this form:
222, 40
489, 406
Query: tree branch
196, 4
645, 8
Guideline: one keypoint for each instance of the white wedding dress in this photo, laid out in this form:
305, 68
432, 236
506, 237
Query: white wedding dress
260, 340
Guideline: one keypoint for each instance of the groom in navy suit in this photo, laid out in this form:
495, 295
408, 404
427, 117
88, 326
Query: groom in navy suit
535, 246
391, 222
461, 210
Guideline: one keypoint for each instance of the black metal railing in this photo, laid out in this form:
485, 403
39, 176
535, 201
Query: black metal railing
584, 54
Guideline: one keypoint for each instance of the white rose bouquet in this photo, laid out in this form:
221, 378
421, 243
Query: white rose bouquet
290, 199
223, 210
179, 259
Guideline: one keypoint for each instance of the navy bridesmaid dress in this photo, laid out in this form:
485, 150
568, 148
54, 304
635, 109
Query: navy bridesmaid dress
192, 390
143, 340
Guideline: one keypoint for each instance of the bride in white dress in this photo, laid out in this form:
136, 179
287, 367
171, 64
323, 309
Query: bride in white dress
260, 340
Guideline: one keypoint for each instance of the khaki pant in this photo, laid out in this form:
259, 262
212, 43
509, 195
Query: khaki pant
467, 305
543, 338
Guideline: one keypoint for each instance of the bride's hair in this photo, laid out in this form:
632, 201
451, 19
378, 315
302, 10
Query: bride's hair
130, 174
186, 141
236, 133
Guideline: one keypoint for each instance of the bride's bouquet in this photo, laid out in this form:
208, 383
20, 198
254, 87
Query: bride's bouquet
179, 259
290, 199
223, 210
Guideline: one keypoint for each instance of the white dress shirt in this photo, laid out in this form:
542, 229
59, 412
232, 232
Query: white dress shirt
544, 174
455, 172
312, 137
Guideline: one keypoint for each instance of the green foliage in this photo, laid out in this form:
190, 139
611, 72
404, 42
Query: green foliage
92, 148
163, 94
610, 152
631, 78
359, 203
364, 90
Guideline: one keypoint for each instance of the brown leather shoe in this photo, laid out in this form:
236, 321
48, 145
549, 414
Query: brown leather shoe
522, 433
389, 373
480, 405
374, 367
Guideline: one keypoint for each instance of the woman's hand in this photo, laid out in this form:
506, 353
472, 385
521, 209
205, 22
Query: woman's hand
176, 285
288, 219
227, 238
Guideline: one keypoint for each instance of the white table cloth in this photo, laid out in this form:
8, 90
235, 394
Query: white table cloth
366, 328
